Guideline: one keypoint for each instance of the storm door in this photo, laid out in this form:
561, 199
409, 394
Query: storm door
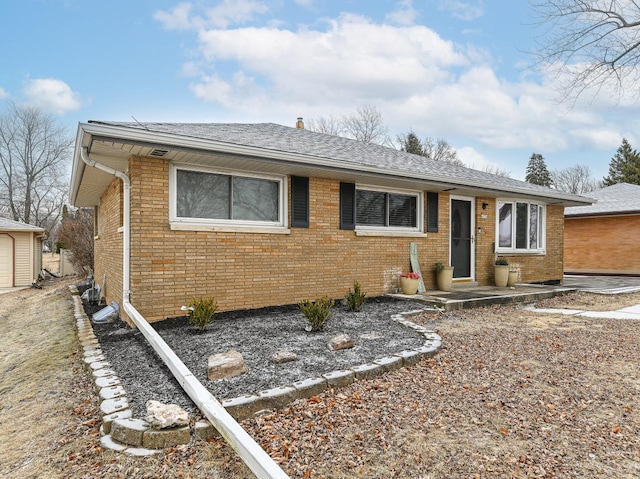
462, 237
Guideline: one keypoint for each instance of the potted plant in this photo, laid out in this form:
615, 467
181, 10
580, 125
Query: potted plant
444, 277
513, 277
501, 272
409, 283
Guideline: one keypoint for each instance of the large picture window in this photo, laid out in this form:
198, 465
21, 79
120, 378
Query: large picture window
201, 196
520, 226
381, 209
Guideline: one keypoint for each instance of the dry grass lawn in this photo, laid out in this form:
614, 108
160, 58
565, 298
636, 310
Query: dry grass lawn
511, 394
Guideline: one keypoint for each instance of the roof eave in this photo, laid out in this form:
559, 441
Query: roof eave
88, 131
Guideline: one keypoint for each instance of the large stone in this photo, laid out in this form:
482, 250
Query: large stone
282, 356
226, 365
342, 341
163, 416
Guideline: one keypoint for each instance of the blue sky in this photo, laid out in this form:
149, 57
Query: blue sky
452, 69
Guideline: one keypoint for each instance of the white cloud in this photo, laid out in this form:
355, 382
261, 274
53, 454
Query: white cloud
223, 15
463, 10
52, 95
3, 93
404, 15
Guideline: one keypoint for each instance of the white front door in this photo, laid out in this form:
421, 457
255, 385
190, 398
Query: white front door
6, 261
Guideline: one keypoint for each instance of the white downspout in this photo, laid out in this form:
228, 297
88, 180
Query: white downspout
251, 453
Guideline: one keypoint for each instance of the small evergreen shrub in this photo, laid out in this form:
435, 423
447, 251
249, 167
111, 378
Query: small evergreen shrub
318, 312
502, 262
355, 298
202, 312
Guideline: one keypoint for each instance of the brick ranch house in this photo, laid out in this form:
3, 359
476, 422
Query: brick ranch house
262, 214
603, 238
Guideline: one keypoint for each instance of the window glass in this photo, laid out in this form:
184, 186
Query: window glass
203, 195
371, 208
255, 199
214, 196
505, 222
521, 225
402, 210
533, 227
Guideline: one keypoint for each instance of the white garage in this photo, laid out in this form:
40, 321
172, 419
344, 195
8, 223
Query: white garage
20, 253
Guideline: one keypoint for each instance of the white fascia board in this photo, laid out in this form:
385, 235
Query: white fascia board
120, 133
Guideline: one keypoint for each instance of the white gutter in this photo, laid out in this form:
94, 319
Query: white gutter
251, 453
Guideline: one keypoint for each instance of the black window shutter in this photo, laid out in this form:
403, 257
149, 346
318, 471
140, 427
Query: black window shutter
347, 206
299, 201
432, 212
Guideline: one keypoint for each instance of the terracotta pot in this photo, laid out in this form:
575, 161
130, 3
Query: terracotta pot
501, 274
409, 285
444, 278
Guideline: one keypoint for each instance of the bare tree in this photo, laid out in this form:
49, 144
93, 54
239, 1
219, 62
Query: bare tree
440, 150
592, 44
34, 155
366, 125
496, 170
328, 126
575, 180
76, 235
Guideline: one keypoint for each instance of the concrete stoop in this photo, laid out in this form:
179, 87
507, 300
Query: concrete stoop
122, 432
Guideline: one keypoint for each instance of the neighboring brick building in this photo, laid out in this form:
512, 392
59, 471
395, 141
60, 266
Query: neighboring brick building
603, 238
262, 214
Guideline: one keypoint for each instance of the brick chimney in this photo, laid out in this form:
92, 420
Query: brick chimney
300, 123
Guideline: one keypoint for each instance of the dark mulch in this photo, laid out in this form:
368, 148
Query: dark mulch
257, 335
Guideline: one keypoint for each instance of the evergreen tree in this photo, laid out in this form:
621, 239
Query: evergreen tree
537, 172
624, 167
411, 144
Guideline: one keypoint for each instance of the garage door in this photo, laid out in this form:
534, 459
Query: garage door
6, 261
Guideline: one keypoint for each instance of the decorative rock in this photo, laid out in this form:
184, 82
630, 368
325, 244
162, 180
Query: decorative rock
225, 365
159, 439
162, 416
342, 341
283, 356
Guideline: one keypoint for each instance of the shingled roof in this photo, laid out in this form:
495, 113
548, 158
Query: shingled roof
621, 198
273, 141
10, 225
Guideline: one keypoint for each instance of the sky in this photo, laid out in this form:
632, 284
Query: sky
453, 69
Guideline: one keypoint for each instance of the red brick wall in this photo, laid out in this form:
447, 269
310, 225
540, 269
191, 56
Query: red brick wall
606, 244
248, 270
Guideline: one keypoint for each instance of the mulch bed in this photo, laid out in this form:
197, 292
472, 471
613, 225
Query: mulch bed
257, 335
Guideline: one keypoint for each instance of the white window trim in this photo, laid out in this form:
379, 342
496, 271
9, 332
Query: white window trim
363, 230
542, 248
209, 224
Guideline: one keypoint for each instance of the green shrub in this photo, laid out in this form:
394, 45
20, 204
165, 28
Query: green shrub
318, 312
202, 312
502, 262
355, 298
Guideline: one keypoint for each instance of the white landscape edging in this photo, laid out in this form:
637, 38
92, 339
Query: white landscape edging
260, 463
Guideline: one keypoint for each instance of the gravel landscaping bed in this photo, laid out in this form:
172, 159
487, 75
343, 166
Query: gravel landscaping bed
257, 335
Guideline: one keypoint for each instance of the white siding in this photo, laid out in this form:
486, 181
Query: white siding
6, 261
24, 259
